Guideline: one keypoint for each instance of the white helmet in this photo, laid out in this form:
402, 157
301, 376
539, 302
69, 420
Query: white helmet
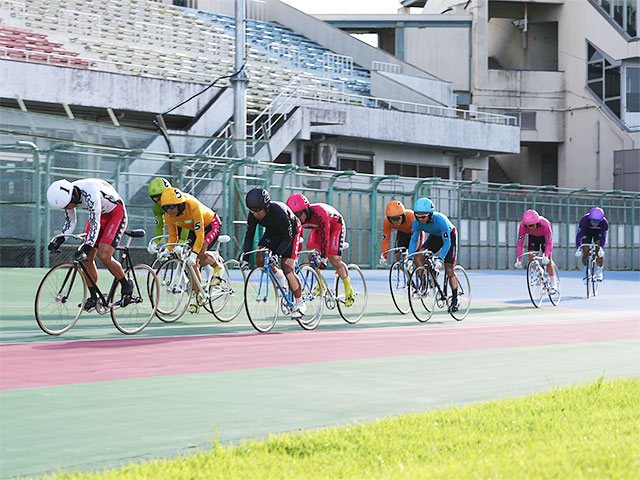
59, 194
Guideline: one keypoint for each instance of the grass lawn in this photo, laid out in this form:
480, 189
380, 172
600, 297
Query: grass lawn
585, 431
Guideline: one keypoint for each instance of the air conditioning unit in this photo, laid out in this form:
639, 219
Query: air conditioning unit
325, 155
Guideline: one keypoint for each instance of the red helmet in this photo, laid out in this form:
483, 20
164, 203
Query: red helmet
297, 202
530, 217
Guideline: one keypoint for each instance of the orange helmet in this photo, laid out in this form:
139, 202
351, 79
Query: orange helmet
394, 209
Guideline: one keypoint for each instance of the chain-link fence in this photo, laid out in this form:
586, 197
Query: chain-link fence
486, 215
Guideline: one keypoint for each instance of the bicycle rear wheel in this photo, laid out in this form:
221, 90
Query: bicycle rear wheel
554, 293
261, 299
135, 316
464, 293
534, 283
587, 277
399, 286
226, 293
312, 296
60, 299
174, 290
591, 279
352, 311
422, 294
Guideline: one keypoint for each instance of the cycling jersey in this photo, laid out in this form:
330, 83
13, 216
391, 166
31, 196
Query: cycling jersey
99, 197
281, 229
195, 217
404, 227
439, 226
587, 232
543, 229
327, 228
159, 214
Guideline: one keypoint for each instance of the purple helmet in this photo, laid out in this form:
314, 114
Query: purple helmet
596, 214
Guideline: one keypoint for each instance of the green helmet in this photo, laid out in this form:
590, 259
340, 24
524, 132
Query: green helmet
157, 186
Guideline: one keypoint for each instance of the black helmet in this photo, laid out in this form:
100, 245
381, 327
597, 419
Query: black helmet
258, 198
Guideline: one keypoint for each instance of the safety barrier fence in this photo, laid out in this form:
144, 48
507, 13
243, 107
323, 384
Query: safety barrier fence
486, 215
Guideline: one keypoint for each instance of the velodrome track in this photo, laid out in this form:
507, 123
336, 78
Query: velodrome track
94, 398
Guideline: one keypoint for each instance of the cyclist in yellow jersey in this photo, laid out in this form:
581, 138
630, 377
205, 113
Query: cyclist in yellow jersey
185, 211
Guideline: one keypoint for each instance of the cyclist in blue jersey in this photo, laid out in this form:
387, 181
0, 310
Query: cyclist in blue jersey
442, 237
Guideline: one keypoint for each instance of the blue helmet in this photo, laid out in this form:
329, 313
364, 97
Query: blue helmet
423, 205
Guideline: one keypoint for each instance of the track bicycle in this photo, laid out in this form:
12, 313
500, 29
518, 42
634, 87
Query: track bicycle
351, 310
539, 281
181, 291
265, 296
399, 273
592, 283
62, 294
425, 292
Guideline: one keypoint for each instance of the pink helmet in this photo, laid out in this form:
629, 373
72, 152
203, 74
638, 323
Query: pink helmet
297, 202
596, 214
530, 217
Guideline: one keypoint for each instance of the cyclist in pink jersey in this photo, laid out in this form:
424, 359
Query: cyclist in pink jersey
540, 238
327, 234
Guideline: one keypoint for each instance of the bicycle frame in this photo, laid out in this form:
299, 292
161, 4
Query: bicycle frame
442, 293
287, 296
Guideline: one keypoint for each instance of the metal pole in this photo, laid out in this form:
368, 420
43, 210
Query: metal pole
609, 192
416, 194
460, 187
332, 181
240, 81
568, 221
37, 200
373, 217
633, 225
544, 187
506, 185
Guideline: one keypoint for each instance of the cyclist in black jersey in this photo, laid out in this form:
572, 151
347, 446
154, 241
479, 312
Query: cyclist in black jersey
283, 236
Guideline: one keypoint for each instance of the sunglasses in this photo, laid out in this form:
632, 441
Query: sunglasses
595, 221
395, 219
166, 208
422, 215
156, 198
256, 210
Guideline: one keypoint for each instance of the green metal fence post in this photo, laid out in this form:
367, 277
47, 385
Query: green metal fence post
37, 199
47, 181
460, 187
417, 192
608, 192
332, 181
373, 217
569, 195
506, 185
544, 187
633, 226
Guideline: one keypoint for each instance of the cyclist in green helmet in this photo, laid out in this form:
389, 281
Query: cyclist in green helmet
156, 187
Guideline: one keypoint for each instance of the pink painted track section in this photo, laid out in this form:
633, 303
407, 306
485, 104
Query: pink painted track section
63, 363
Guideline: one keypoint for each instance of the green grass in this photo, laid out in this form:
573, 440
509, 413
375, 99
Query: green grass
585, 431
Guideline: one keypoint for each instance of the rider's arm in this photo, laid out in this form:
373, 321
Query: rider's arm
604, 226
287, 233
70, 220
250, 233
324, 229
386, 236
198, 226
173, 231
92, 196
415, 236
519, 246
548, 237
158, 213
581, 226
445, 234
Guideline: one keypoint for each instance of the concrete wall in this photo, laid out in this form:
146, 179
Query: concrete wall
411, 89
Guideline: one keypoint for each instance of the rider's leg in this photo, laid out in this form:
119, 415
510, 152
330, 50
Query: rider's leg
585, 255
288, 266
341, 270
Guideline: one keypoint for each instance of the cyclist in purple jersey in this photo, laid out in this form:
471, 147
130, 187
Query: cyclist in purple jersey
592, 228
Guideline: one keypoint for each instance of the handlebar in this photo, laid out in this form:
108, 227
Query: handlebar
402, 249
590, 245
536, 254
82, 236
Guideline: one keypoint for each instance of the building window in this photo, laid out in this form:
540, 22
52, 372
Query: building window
633, 89
357, 164
603, 78
623, 12
415, 171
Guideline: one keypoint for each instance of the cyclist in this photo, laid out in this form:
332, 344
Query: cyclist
105, 227
157, 186
400, 219
203, 224
327, 235
442, 237
592, 228
540, 238
283, 236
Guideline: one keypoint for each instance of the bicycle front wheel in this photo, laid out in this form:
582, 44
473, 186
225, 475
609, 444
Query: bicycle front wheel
261, 299
174, 290
464, 293
554, 293
422, 294
226, 292
352, 309
591, 278
534, 283
399, 286
312, 296
138, 313
60, 299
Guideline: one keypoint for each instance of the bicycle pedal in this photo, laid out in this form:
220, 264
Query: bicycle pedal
193, 308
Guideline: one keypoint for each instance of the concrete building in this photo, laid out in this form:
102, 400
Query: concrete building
569, 70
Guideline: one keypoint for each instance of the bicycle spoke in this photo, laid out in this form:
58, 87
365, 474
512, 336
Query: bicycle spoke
139, 312
174, 290
227, 292
352, 309
399, 287
60, 299
261, 300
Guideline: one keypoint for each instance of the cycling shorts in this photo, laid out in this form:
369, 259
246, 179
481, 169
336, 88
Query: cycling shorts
112, 226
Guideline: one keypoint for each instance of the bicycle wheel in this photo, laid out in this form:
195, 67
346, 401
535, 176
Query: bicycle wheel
352, 311
135, 316
226, 293
60, 299
174, 290
588, 273
464, 294
534, 283
261, 298
595, 284
399, 286
554, 293
312, 296
422, 294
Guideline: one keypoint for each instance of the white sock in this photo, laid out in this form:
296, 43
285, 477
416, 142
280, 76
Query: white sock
282, 279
